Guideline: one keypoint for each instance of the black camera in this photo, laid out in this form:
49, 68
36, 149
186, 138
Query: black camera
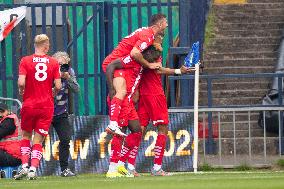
64, 67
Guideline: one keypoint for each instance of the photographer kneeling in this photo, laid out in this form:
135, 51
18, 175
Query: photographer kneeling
60, 120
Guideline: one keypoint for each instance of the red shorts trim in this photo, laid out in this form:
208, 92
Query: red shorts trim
154, 108
38, 120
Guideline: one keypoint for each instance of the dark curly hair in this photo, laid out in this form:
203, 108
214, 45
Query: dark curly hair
151, 54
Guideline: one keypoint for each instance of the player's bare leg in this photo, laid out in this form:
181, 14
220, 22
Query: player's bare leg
159, 152
115, 105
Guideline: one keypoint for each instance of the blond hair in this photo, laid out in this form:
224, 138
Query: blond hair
41, 39
61, 54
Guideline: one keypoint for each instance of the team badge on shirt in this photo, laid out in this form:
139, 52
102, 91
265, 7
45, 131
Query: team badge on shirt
127, 59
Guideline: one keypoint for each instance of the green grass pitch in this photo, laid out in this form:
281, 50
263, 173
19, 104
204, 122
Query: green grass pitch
214, 180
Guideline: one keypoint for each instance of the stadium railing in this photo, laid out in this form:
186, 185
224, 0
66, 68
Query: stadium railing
14, 105
212, 146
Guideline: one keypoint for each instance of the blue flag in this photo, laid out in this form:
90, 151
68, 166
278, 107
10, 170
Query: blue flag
193, 56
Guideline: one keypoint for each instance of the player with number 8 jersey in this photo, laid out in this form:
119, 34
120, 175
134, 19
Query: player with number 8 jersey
37, 75
40, 71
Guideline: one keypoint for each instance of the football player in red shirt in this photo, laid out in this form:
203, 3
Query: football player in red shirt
127, 117
152, 106
37, 75
132, 45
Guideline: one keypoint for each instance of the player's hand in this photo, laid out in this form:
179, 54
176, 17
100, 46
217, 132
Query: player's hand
185, 70
155, 65
65, 75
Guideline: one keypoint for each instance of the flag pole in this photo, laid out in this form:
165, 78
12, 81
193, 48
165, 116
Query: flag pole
196, 91
192, 59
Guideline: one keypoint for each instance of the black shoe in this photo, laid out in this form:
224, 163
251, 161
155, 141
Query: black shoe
2, 174
67, 173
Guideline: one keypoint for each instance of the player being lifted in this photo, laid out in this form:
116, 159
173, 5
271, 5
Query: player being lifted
37, 74
132, 45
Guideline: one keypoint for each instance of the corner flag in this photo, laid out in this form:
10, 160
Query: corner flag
193, 56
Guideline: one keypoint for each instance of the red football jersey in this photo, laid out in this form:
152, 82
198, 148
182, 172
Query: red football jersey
40, 72
151, 83
140, 38
132, 74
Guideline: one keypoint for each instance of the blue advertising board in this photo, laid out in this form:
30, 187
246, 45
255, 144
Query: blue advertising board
90, 146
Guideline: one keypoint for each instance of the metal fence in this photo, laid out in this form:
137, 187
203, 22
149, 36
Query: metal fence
77, 28
209, 81
88, 31
253, 144
14, 105
235, 149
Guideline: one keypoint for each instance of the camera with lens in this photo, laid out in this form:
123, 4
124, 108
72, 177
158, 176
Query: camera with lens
64, 67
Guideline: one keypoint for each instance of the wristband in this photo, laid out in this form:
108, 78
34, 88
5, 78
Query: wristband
178, 71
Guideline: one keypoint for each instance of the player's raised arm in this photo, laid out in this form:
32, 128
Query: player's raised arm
170, 71
137, 56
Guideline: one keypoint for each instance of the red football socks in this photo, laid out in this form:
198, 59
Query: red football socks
36, 155
25, 151
115, 109
160, 149
132, 155
132, 141
116, 144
